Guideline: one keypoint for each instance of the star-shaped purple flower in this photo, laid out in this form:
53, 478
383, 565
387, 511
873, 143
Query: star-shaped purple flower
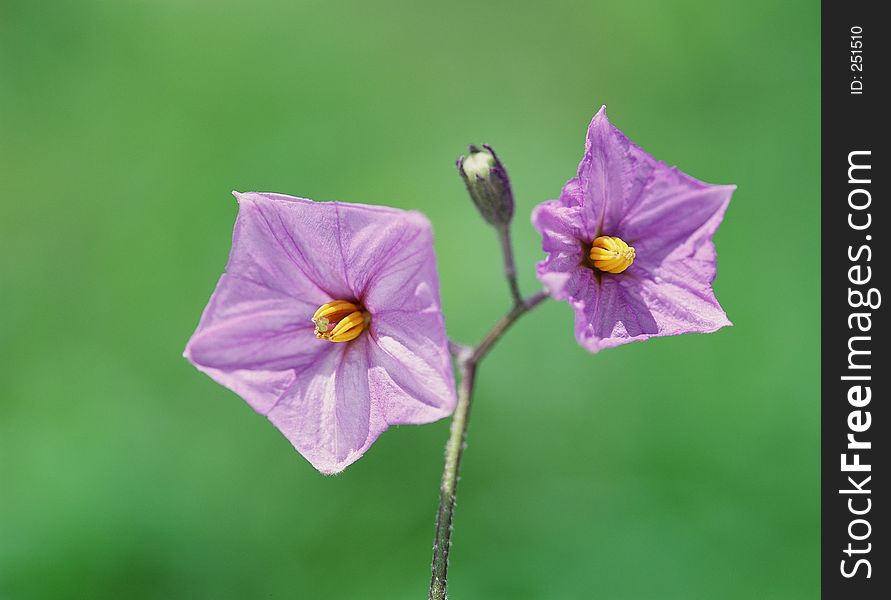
327, 320
629, 244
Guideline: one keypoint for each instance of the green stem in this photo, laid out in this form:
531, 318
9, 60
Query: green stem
510, 271
467, 360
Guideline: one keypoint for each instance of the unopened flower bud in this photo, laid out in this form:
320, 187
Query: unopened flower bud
488, 185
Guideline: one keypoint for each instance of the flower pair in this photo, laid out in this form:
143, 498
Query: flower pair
328, 321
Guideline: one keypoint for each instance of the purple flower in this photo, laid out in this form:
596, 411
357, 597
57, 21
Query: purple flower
629, 244
327, 320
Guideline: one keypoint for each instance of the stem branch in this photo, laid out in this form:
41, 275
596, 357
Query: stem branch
467, 360
510, 271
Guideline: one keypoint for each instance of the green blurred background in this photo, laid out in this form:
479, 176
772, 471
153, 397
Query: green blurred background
677, 468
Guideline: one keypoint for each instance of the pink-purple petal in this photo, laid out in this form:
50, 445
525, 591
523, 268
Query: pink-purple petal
603, 174
289, 244
327, 413
560, 226
677, 215
250, 326
412, 378
681, 296
261, 389
390, 259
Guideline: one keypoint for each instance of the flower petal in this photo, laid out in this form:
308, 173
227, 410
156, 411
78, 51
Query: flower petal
561, 232
681, 297
247, 325
560, 227
389, 258
290, 245
260, 389
411, 376
611, 310
338, 406
328, 413
611, 176
675, 216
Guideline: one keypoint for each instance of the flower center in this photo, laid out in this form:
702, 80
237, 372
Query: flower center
611, 254
340, 321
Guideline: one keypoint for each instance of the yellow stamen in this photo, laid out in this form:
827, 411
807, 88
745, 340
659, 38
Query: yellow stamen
611, 254
340, 321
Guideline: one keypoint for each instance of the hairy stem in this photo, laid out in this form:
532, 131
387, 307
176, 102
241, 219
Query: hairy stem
467, 360
454, 450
